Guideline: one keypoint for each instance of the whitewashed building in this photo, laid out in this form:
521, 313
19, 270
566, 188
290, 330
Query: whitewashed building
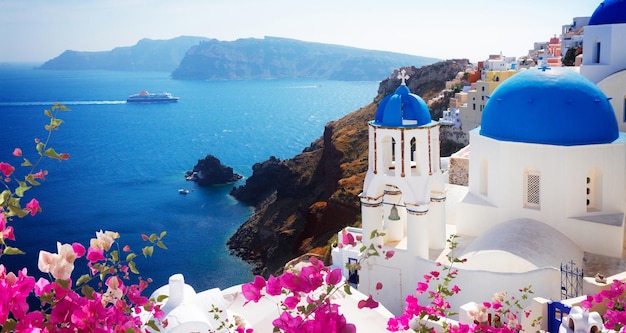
604, 56
547, 185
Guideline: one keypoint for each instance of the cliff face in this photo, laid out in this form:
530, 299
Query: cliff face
302, 202
275, 58
146, 55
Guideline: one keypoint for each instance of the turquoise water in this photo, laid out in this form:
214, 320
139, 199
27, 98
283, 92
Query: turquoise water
128, 161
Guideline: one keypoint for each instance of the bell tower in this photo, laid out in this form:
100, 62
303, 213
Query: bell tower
403, 193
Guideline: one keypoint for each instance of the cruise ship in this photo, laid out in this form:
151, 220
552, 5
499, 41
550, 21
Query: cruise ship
146, 97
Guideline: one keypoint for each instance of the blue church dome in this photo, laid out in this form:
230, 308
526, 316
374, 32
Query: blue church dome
549, 106
609, 12
402, 108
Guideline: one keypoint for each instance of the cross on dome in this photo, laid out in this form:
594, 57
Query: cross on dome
403, 76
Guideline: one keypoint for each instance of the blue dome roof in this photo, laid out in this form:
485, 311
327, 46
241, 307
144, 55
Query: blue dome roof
402, 105
551, 106
609, 12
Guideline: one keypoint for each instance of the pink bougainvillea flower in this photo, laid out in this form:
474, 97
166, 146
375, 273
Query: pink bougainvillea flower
291, 282
368, 303
587, 303
40, 175
379, 286
33, 207
421, 287
79, 249
273, 286
94, 255
5, 232
6, 169
17, 152
291, 302
347, 239
334, 277
42, 286
252, 291
389, 254
64, 156
456, 289
288, 323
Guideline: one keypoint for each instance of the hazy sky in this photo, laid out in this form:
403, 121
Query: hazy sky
38, 30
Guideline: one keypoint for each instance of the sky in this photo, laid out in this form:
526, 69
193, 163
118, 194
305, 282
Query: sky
39, 30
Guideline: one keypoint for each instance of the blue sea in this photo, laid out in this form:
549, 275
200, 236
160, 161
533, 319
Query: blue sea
128, 161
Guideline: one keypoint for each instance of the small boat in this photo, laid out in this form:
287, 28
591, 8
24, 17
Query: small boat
183, 191
146, 97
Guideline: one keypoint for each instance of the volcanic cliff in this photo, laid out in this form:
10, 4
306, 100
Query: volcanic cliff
301, 203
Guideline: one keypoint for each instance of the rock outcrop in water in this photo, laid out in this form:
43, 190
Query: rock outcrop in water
301, 203
210, 171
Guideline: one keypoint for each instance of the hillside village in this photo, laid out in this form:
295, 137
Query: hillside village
536, 198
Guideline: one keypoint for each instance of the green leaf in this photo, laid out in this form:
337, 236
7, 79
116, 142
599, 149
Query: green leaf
17, 210
130, 257
50, 152
147, 251
26, 163
12, 251
4, 196
9, 325
83, 279
47, 113
40, 148
30, 179
373, 234
54, 124
115, 256
346, 289
161, 245
163, 233
87, 291
132, 267
21, 189
65, 284
153, 238
152, 325
161, 298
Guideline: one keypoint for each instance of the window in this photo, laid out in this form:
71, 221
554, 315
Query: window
532, 189
594, 190
393, 151
596, 53
625, 108
353, 278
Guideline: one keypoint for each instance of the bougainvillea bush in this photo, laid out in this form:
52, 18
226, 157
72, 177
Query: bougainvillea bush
103, 300
615, 301
498, 316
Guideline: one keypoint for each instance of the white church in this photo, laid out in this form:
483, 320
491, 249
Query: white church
547, 186
547, 181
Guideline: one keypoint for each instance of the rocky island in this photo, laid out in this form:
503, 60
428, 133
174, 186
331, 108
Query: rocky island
210, 171
301, 203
